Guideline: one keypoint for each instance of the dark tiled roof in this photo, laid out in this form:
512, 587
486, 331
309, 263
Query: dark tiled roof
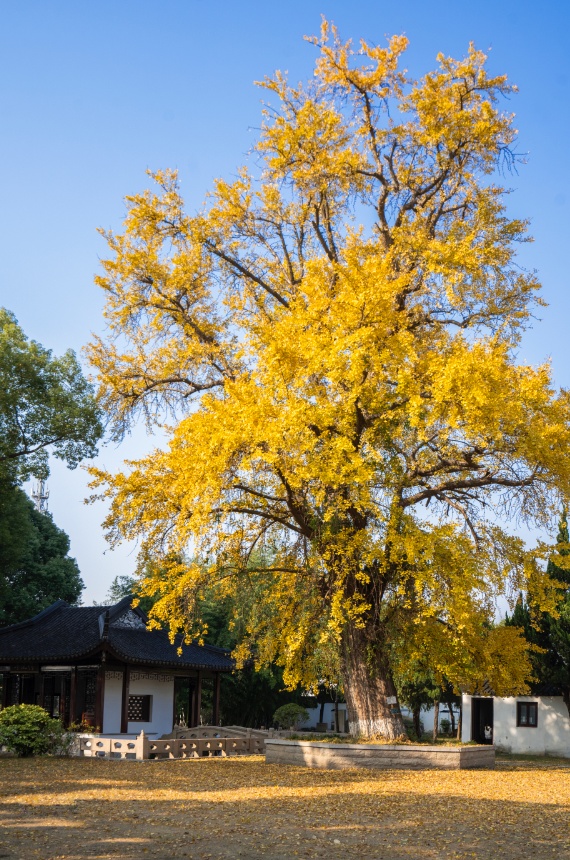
542, 689
64, 633
153, 646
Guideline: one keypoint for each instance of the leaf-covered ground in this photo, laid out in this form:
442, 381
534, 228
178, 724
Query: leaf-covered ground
243, 808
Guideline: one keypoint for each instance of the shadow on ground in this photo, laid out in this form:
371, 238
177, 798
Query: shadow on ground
79, 809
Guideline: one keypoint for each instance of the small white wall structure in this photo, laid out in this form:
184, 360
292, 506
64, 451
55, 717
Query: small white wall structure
159, 687
427, 715
112, 703
328, 717
550, 736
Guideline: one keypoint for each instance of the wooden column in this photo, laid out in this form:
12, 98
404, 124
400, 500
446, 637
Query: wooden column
197, 700
42, 690
216, 709
125, 700
191, 700
100, 698
73, 696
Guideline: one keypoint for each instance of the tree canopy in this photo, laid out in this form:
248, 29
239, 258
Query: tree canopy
35, 568
332, 344
46, 404
46, 407
548, 633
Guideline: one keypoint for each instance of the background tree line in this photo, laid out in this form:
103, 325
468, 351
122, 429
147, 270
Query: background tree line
47, 407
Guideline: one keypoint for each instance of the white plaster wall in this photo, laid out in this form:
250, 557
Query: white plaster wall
328, 715
112, 705
162, 693
427, 715
465, 718
550, 737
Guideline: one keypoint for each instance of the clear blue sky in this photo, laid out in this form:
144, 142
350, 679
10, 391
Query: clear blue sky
94, 93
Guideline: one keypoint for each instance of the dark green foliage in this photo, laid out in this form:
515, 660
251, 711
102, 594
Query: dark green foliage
29, 730
551, 664
46, 405
35, 569
249, 697
287, 716
123, 586
418, 691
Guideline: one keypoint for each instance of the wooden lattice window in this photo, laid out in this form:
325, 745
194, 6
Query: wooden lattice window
139, 709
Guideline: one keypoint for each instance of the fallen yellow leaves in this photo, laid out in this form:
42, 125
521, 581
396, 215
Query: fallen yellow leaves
82, 808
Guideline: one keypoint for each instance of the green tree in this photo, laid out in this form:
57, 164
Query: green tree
549, 633
46, 405
418, 691
35, 568
249, 696
124, 585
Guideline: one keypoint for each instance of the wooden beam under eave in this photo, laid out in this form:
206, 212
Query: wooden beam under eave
73, 696
100, 698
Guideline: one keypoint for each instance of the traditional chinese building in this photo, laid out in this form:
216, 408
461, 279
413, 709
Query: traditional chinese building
102, 665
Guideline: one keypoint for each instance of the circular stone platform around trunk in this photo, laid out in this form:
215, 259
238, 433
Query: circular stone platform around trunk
338, 756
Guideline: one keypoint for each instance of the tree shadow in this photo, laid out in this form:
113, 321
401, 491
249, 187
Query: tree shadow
243, 808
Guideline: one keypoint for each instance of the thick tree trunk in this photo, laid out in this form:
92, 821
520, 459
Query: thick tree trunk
459, 722
371, 699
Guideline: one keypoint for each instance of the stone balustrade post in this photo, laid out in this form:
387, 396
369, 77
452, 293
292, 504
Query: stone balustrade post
142, 747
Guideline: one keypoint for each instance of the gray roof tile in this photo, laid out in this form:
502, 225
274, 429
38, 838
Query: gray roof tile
63, 633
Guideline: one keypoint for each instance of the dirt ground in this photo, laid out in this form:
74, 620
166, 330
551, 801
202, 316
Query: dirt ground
243, 808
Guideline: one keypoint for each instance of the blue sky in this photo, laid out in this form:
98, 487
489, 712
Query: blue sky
93, 94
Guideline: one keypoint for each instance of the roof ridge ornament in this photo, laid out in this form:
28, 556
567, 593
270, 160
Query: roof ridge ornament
130, 620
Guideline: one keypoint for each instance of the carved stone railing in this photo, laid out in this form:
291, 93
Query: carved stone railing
125, 748
143, 747
219, 732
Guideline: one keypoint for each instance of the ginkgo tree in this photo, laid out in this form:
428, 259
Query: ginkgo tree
331, 346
